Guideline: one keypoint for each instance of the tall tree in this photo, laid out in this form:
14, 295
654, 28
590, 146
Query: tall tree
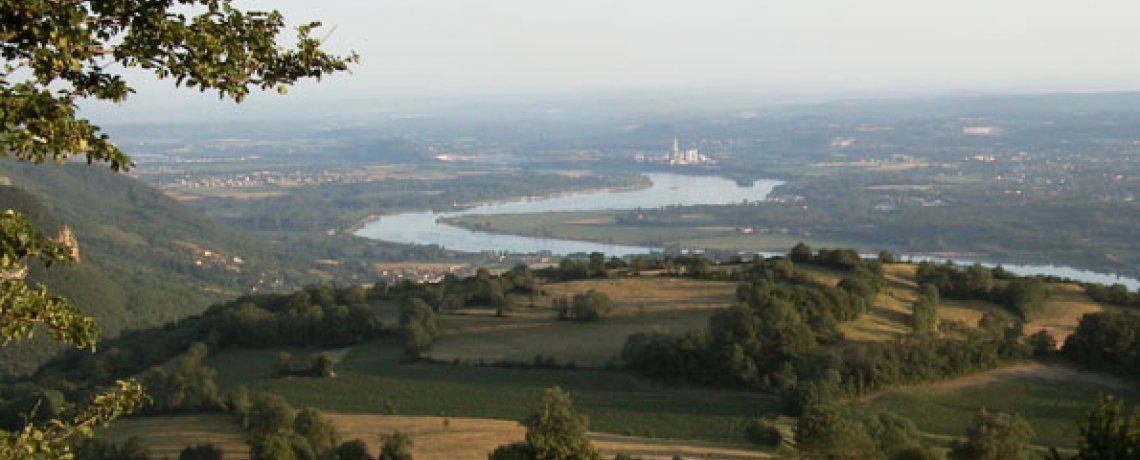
1108, 433
997, 436
417, 327
553, 432
320, 434
59, 52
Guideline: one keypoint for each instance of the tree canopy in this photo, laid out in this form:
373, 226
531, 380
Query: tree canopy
57, 53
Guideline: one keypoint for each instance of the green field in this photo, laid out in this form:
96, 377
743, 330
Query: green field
591, 344
1051, 398
602, 227
375, 378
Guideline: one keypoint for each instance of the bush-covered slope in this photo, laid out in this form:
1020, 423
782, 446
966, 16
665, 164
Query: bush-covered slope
146, 259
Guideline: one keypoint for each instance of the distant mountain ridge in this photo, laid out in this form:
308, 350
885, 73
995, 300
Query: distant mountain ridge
147, 259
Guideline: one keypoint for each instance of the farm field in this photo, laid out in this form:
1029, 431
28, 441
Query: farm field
1051, 397
166, 436
890, 316
641, 304
376, 378
435, 438
603, 227
593, 344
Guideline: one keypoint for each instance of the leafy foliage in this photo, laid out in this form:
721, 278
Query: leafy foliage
553, 432
1107, 433
1108, 341
997, 436
396, 446
417, 327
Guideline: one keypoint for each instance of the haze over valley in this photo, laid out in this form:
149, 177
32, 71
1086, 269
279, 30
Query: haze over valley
569, 230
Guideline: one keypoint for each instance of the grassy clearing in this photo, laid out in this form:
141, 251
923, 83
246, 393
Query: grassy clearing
640, 305
690, 231
584, 344
1051, 398
376, 379
642, 294
1062, 311
166, 436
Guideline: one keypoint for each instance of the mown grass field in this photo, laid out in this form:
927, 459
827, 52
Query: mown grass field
1051, 397
435, 438
166, 436
603, 227
584, 344
376, 378
641, 304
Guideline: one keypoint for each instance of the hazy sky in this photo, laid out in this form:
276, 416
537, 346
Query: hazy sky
445, 47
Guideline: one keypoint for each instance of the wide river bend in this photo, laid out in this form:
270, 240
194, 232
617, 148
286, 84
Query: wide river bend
424, 227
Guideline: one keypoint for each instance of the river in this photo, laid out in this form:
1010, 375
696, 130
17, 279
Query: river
667, 190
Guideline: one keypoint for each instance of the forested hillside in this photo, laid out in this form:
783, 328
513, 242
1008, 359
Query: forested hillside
146, 259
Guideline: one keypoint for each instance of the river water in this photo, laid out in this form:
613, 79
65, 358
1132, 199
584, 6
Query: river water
667, 190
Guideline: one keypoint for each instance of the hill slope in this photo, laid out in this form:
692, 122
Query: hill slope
146, 259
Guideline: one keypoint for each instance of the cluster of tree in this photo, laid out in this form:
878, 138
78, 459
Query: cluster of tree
924, 311
1116, 294
279, 432
597, 266
570, 269
169, 358
417, 327
452, 293
553, 432
764, 433
132, 448
780, 318
316, 315
784, 337
587, 306
1108, 341
1023, 296
823, 431
317, 365
843, 259
185, 385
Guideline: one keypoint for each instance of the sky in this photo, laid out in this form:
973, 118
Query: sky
442, 48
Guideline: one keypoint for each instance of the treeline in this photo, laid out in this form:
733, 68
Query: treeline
1106, 341
783, 337
1023, 296
452, 293
1116, 294
316, 315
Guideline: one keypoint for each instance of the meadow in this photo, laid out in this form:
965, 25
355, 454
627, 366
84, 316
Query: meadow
603, 227
435, 438
1052, 398
377, 378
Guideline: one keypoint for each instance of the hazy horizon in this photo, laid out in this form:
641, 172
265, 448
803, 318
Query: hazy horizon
424, 50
